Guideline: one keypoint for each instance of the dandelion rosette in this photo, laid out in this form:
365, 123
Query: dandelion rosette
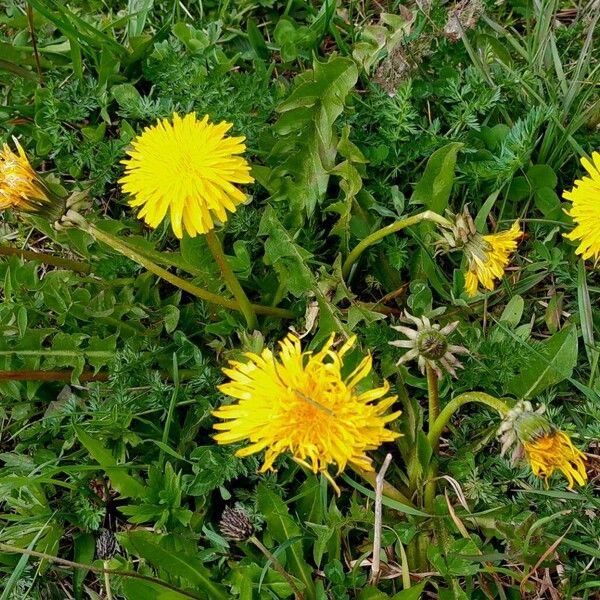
428, 343
189, 168
299, 403
487, 255
546, 448
22, 189
585, 210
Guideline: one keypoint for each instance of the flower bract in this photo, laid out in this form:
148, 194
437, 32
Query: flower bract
428, 343
585, 210
188, 168
300, 403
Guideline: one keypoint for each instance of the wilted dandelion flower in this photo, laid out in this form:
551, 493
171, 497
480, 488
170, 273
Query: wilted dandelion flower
189, 168
299, 403
22, 188
428, 343
546, 448
585, 211
487, 255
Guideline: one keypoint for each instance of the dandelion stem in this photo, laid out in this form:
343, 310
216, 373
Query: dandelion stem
214, 245
277, 566
151, 266
374, 237
107, 587
434, 411
482, 398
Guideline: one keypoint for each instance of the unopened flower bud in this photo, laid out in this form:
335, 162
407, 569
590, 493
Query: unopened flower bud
106, 545
235, 524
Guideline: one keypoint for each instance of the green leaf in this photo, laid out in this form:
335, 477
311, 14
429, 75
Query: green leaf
306, 150
403, 508
513, 311
548, 202
147, 545
585, 312
542, 176
412, 593
84, 547
371, 593
127, 486
134, 588
434, 188
290, 261
282, 527
551, 364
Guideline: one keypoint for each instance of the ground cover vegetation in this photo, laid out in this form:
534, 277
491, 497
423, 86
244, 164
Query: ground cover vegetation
299, 299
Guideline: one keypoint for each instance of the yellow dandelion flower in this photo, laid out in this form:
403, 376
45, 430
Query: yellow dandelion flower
546, 448
299, 402
187, 167
488, 256
585, 211
555, 451
22, 188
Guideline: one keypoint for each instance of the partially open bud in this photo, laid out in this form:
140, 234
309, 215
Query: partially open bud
22, 189
487, 255
546, 448
428, 343
235, 524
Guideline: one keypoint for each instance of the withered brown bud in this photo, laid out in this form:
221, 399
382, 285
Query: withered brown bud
235, 524
106, 545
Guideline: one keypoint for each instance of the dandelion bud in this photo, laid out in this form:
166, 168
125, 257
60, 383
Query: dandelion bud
235, 524
22, 189
428, 343
106, 545
546, 448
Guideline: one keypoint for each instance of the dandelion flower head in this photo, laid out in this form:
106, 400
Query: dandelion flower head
299, 403
21, 187
188, 168
487, 255
585, 210
546, 448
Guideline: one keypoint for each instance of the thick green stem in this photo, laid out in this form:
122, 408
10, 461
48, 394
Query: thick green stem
433, 395
214, 245
107, 588
151, 266
371, 239
434, 411
277, 566
482, 398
